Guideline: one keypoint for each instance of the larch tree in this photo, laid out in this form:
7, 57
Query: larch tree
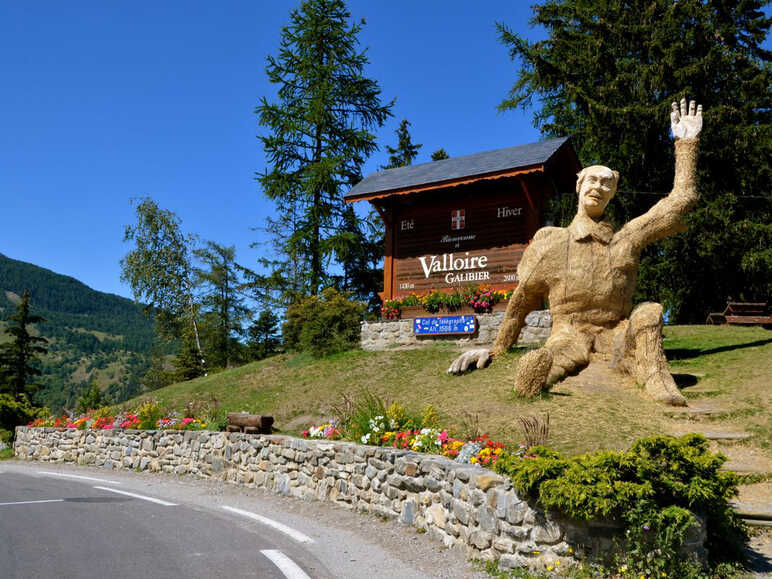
606, 75
219, 284
319, 133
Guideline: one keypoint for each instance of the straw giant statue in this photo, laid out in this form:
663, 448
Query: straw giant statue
587, 272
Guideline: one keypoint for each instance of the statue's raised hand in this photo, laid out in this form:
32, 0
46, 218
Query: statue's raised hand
686, 123
470, 359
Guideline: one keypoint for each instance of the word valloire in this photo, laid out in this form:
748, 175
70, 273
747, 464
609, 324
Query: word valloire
450, 263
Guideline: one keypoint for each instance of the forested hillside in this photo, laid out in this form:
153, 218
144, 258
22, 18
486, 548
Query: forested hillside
93, 336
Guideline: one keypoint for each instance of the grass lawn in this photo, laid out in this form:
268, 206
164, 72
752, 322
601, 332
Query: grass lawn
726, 367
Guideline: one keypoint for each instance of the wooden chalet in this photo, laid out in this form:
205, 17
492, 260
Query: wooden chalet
465, 220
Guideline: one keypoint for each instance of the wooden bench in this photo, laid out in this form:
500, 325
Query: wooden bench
742, 314
249, 423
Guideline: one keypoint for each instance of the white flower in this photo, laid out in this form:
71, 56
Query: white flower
366, 438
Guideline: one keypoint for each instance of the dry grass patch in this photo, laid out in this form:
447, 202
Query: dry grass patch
597, 409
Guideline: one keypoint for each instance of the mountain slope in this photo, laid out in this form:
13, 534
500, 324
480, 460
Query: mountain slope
93, 336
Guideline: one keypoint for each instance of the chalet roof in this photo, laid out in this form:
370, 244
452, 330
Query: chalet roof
456, 168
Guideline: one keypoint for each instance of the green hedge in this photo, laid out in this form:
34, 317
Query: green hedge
655, 489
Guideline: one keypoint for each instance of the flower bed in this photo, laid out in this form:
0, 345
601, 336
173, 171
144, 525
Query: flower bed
89, 421
385, 430
480, 299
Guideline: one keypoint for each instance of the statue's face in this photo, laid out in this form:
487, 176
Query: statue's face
598, 187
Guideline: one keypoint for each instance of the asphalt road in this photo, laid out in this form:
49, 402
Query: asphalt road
70, 522
86, 531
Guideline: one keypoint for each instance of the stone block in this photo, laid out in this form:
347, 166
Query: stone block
462, 512
512, 561
408, 512
546, 531
516, 512
504, 545
480, 539
487, 480
487, 520
436, 515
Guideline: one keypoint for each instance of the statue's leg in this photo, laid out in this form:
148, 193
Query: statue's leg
565, 351
649, 365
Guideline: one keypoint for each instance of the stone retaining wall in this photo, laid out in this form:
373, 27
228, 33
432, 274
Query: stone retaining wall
461, 505
384, 335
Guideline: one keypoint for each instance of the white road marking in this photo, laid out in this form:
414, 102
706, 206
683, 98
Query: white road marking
33, 502
77, 476
285, 564
136, 496
289, 531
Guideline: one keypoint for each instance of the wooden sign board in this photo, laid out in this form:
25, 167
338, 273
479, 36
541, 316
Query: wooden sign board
475, 236
444, 325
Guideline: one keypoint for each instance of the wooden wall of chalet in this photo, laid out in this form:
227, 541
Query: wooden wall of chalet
500, 217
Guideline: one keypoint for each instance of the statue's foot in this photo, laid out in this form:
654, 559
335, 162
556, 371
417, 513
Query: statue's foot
662, 388
532, 371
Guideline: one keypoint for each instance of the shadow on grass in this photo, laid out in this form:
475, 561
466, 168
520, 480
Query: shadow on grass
687, 353
685, 380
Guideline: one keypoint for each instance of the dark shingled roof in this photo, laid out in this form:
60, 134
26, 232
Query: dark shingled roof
456, 168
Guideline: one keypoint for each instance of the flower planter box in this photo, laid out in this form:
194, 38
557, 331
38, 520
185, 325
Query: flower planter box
411, 312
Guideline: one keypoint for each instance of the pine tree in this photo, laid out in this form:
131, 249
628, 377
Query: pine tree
20, 356
440, 154
405, 151
319, 137
606, 76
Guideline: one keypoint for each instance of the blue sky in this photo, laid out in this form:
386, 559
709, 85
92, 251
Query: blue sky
102, 102
106, 101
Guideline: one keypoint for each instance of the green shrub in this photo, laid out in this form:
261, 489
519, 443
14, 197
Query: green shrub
149, 413
17, 412
6, 436
324, 324
655, 489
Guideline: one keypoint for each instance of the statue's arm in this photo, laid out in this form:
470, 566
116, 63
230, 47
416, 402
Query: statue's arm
523, 301
527, 297
665, 217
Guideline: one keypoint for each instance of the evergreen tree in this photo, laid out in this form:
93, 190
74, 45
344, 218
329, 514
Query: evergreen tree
159, 271
440, 154
405, 151
606, 76
91, 398
20, 357
319, 137
263, 336
219, 283
359, 248
188, 363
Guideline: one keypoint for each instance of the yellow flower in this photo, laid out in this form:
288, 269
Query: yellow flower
664, 574
549, 568
536, 552
557, 562
570, 550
